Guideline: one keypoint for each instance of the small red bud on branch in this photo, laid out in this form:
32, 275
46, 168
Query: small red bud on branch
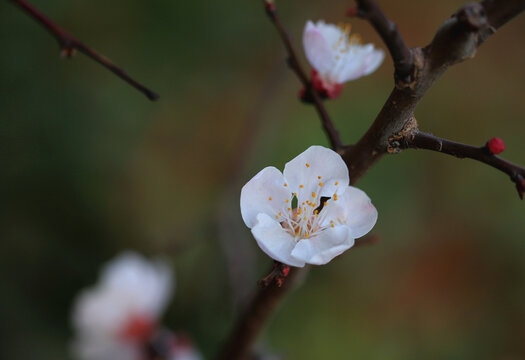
495, 146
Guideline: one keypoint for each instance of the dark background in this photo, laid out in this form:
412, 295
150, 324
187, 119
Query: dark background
90, 167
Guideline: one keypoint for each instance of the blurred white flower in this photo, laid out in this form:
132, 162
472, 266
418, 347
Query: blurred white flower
337, 57
114, 319
309, 214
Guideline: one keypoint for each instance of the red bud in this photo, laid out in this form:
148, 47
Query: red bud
495, 145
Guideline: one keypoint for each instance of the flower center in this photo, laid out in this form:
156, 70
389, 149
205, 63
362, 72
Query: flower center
302, 217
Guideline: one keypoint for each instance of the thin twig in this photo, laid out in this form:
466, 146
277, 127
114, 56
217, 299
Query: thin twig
68, 44
293, 60
401, 54
421, 140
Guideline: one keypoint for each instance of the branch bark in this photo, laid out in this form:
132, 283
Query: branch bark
421, 140
401, 54
68, 44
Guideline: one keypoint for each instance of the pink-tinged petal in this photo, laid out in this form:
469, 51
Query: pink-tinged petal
276, 242
320, 249
264, 193
353, 209
317, 48
317, 169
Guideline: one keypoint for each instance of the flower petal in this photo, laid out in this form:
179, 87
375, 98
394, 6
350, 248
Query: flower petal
316, 165
353, 209
264, 193
317, 48
322, 248
361, 60
274, 240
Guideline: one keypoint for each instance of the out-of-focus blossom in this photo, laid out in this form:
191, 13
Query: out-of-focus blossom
118, 319
337, 57
309, 214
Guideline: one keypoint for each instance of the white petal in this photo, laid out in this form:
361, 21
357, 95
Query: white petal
354, 209
317, 48
332, 34
274, 240
359, 61
148, 284
322, 248
264, 193
375, 59
306, 168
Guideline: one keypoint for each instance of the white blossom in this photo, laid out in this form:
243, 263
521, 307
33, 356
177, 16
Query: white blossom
337, 57
308, 213
113, 319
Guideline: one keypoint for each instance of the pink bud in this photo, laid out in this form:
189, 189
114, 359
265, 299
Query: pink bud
286, 270
495, 145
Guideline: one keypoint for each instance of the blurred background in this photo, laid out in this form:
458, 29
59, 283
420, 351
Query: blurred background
90, 167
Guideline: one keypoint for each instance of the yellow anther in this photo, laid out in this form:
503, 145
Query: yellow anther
305, 218
301, 186
285, 184
307, 165
294, 194
277, 217
270, 198
313, 194
289, 209
321, 183
336, 183
325, 203
332, 225
316, 211
319, 177
335, 196
287, 200
302, 204
279, 213
306, 235
314, 204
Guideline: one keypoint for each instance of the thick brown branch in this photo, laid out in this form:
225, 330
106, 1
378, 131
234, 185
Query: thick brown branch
69, 44
456, 40
401, 54
293, 60
421, 140
254, 318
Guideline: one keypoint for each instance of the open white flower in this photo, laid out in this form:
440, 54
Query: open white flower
309, 213
337, 57
116, 317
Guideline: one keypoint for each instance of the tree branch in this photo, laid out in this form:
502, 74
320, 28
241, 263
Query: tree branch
69, 44
421, 140
254, 318
401, 54
456, 40
293, 61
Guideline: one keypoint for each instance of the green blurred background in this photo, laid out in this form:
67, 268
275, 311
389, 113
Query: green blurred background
90, 167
